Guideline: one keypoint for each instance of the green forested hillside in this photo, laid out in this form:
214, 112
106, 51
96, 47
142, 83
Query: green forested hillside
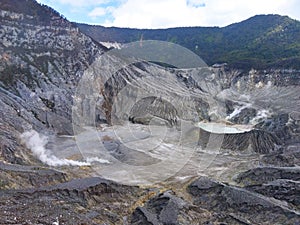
261, 41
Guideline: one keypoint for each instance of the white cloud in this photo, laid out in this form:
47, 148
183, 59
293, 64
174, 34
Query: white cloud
171, 13
98, 11
174, 13
230, 11
154, 14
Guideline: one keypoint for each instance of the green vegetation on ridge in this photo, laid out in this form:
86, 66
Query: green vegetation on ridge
260, 42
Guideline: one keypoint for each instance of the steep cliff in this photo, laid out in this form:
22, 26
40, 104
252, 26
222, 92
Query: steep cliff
43, 56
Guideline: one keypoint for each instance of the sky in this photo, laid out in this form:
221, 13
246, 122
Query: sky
169, 13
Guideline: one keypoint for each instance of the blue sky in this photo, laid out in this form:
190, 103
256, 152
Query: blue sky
169, 13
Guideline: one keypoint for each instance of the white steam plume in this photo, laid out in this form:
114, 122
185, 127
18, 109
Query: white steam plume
36, 143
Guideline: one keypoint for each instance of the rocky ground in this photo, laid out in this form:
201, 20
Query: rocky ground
254, 178
265, 195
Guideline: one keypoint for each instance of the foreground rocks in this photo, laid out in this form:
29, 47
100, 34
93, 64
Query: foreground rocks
15, 176
240, 206
281, 183
205, 201
81, 201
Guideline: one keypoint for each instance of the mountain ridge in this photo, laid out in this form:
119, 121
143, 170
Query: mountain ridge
260, 42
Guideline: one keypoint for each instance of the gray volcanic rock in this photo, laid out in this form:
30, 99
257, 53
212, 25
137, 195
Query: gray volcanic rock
11, 126
127, 155
287, 156
168, 209
86, 190
162, 209
244, 116
285, 126
41, 63
15, 176
144, 110
82, 201
142, 91
42, 58
282, 189
261, 175
257, 140
240, 203
278, 182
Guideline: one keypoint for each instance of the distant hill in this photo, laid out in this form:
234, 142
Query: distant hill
260, 42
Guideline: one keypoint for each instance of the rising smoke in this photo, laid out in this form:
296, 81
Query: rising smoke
36, 143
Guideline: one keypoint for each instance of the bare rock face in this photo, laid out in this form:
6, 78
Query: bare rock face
284, 126
288, 156
167, 208
148, 108
213, 202
260, 141
43, 57
266, 174
12, 125
15, 176
81, 201
238, 204
142, 91
257, 140
281, 183
281, 189
162, 209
